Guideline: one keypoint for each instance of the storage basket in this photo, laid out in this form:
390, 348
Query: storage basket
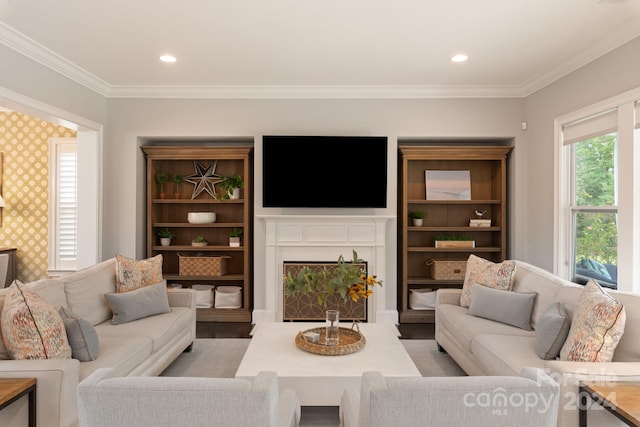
422, 299
204, 295
447, 269
228, 297
203, 265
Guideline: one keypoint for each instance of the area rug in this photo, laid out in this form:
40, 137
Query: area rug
210, 357
431, 362
220, 358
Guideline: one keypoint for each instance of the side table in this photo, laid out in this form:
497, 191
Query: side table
621, 398
12, 389
12, 270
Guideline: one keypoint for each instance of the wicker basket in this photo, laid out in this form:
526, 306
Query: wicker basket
351, 340
203, 265
447, 269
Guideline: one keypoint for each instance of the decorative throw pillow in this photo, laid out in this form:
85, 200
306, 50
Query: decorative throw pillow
81, 335
31, 328
486, 273
598, 323
133, 274
512, 308
552, 329
139, 303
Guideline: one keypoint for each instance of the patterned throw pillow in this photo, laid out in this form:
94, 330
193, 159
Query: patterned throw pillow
597, 326
486, 273
31, 328
133, 274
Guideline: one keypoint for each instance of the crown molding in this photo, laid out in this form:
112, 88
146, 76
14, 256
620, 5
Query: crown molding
623, 33
315, 92
36, 52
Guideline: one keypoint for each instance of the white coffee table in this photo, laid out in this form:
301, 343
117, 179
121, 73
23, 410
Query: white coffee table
317, 379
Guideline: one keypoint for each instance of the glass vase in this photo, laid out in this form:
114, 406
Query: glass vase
332, 325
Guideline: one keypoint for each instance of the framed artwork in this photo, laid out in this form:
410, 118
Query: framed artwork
448, 185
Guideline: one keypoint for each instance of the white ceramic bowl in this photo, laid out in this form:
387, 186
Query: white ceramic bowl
201, 217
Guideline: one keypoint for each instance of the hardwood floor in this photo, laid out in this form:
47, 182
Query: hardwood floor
242, 330
223, 330
417, 331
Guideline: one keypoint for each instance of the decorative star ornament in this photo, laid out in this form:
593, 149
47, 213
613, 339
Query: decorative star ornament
204, 179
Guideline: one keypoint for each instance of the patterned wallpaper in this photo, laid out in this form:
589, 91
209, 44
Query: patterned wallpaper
24, 140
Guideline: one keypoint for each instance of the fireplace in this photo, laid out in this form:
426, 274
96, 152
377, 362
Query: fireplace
305, 307
321, 239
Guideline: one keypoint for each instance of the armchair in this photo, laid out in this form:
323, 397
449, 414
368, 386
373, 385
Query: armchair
105, 401
530, 400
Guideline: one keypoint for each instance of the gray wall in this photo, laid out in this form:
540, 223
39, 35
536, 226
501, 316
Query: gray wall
611, 75
131, 121
34, 81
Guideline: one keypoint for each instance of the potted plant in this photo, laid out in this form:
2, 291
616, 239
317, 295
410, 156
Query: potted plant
177, 179
234, 237
345, 280
231, 186
162, 178
418, 217
199, 241
165, 236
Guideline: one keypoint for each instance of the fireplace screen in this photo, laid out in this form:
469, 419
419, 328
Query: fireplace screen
306, 308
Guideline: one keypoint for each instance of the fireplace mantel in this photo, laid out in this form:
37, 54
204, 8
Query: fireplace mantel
322, 238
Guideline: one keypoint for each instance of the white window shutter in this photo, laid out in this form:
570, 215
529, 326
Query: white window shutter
67, 208
63, 205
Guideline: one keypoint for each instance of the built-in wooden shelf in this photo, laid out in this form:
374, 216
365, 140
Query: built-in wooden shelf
230, 213
487, 167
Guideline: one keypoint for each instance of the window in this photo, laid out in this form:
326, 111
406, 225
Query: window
597, 231
593, 210
63, 205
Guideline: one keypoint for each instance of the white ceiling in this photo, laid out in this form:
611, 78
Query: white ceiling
316, 48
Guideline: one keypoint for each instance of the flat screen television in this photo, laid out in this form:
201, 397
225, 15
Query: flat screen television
324, 171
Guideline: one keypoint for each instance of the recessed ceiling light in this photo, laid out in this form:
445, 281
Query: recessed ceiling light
461, 57
167, 58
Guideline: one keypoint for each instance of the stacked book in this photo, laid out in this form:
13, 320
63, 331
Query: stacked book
479, 223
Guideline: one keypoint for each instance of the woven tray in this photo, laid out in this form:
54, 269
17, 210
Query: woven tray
351, 340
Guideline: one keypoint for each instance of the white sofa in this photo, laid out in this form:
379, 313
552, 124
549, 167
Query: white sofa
485, 347
107, 401
530, 400
143, 347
